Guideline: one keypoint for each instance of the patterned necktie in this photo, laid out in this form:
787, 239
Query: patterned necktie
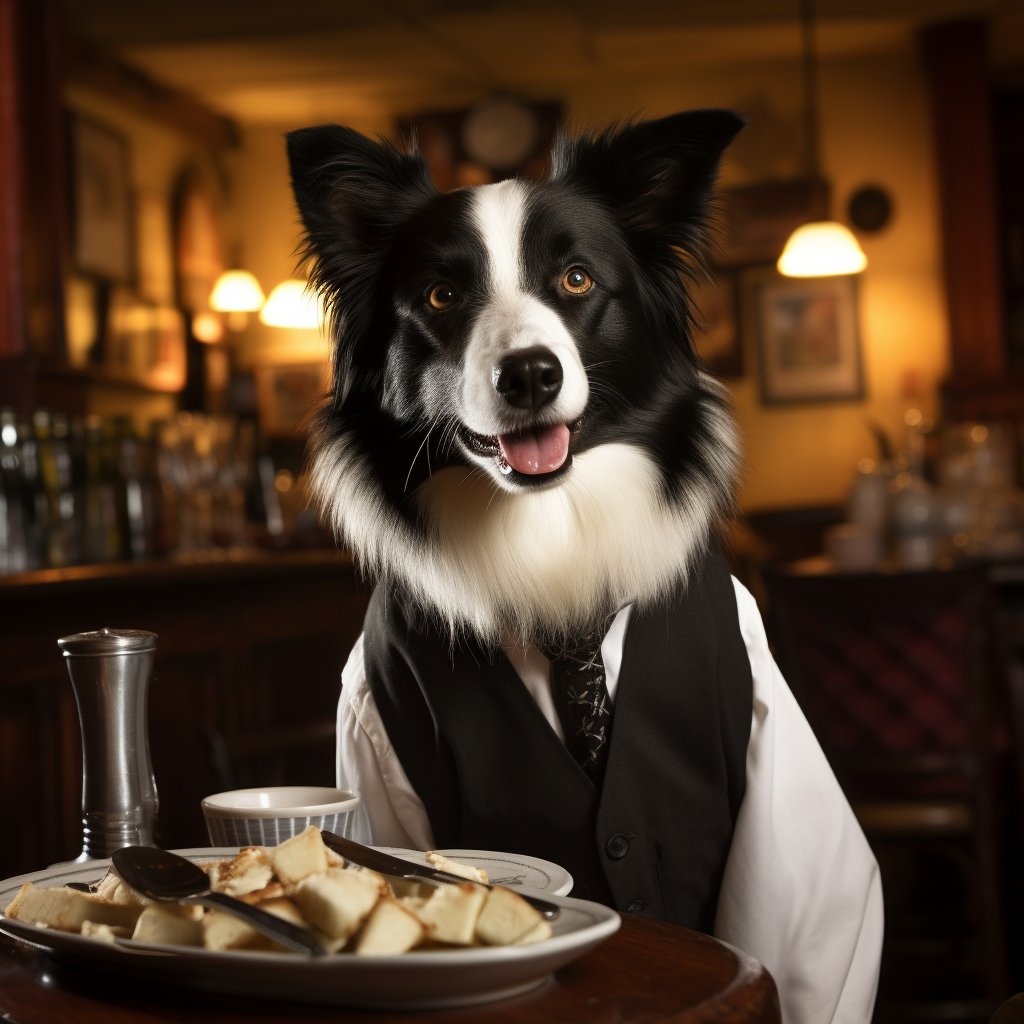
582, 701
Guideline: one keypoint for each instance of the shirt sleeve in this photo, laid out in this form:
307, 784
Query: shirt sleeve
802, 891
390, 813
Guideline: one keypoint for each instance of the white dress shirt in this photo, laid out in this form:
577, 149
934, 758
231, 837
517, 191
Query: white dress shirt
801, 891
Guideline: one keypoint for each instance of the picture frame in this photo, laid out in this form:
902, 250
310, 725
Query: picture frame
154, 263
715, 302
101, 201
199, 239
808, 337
755, 221
287, 396
145, 342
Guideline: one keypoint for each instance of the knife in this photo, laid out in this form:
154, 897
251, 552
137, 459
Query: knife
368, 857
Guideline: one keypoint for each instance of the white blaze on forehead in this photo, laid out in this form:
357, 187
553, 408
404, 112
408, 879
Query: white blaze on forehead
512, 318
500, 211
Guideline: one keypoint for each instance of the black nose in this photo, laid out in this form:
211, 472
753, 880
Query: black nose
529, 378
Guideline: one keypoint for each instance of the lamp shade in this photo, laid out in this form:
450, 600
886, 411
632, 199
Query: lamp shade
236, 291
823, 248
291, 304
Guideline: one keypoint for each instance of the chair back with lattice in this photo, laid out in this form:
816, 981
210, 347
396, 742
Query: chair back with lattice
890, 670
893, 672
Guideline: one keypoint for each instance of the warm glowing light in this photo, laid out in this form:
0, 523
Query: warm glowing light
292, 304
822, 249
207, 327
236, 291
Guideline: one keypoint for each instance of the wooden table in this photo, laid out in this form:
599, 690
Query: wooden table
647, 972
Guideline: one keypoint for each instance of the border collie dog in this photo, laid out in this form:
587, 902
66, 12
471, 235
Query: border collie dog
522, 448
520, 432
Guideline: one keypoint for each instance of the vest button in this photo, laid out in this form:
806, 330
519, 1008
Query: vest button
637, 905
617, 846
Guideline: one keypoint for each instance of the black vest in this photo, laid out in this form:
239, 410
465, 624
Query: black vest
493, 775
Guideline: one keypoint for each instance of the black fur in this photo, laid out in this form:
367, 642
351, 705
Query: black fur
630, 205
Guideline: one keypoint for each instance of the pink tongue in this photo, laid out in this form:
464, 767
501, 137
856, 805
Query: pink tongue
534, 452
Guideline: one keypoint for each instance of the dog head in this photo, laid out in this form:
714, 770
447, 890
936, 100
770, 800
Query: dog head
516, 395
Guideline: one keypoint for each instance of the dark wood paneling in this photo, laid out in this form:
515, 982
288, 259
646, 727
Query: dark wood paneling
33, 220
244, 649
957, 64
31, 780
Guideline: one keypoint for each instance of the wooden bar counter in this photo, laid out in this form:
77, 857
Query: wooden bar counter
248, 644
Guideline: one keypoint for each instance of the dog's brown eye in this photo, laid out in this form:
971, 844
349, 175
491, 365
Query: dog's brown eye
577, 281
442, 296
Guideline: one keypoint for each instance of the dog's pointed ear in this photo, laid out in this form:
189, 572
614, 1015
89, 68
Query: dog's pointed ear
352, 190
353, 195
656, 175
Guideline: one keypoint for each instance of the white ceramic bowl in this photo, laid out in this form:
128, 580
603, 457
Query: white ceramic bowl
266, 817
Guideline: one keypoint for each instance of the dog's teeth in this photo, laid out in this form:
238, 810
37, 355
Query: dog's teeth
503, 467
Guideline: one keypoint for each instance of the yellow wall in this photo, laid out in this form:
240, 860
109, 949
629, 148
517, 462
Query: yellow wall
875, 123
874, 130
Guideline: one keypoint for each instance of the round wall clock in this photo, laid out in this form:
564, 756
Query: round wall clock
501, 132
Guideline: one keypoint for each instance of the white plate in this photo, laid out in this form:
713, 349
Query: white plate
432, 978
515, 870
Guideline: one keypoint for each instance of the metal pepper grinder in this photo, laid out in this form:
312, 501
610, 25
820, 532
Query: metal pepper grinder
110, 671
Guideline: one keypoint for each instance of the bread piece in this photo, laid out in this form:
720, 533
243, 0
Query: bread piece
390, 929
269, 892
338, 902
223, 931
67, 909
170, 925
504, 918
540, 931
383, 882
281, 906
454, 867
411, 888
413, 902
113, 889
299, 857
451, 911
249, 870
105, 932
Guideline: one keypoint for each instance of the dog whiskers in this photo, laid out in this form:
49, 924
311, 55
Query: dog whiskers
610, 394
448, 438
412, 465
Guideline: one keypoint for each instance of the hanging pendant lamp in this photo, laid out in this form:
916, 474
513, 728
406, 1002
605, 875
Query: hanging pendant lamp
292, 303
823, 248
236, 293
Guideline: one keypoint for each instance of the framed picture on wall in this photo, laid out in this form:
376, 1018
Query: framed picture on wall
755, 221
288, 396
808, 340
154, 248
714, 300
145, 342
199, 236
101, 201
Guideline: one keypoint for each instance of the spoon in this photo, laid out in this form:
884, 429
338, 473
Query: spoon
168, 878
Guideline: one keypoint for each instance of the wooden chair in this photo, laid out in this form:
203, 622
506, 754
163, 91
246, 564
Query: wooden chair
893, 673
